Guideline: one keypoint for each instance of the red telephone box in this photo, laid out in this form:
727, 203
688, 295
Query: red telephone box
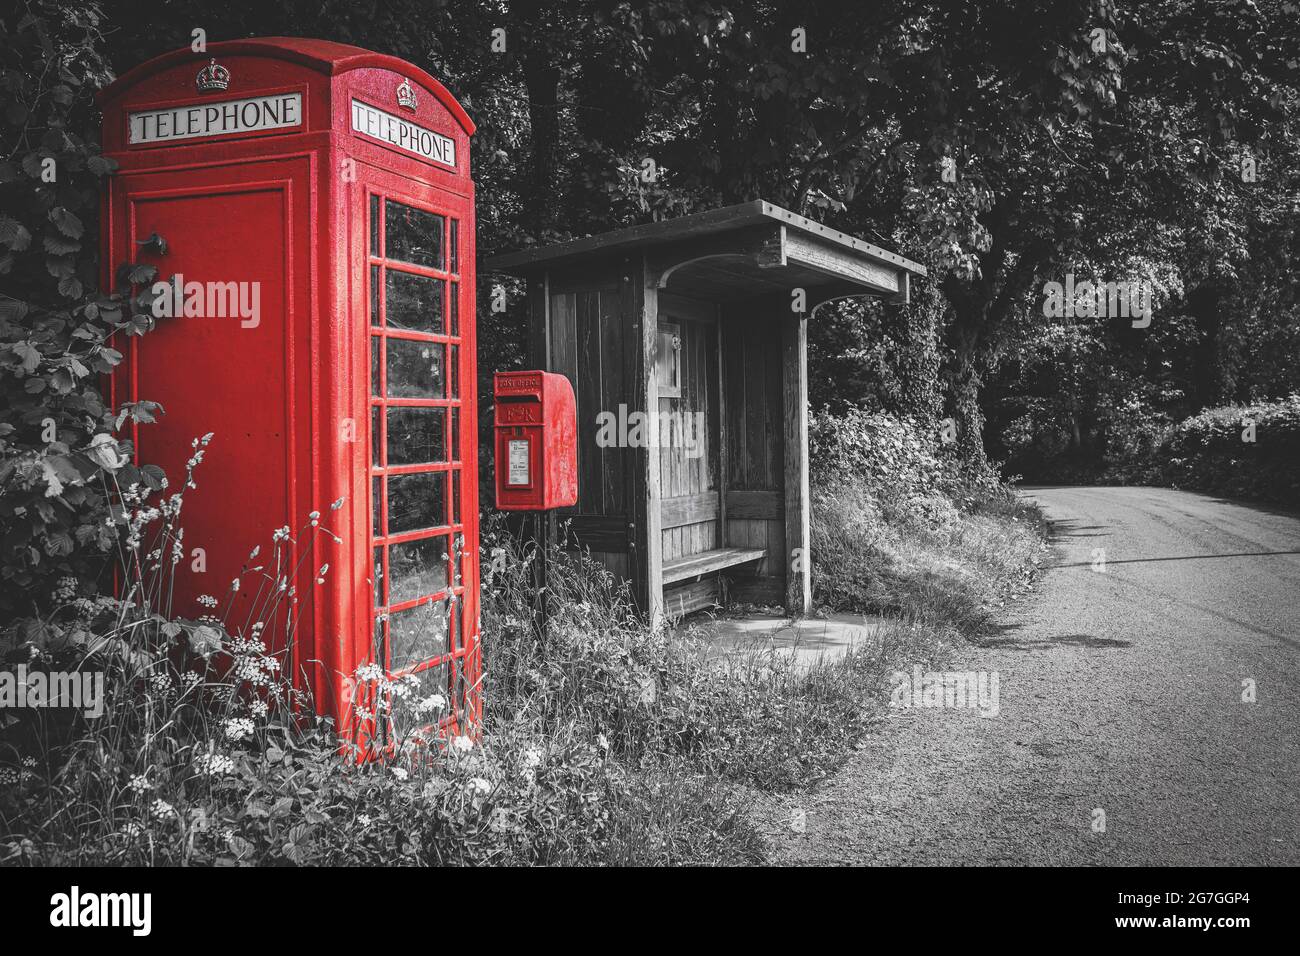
316, 198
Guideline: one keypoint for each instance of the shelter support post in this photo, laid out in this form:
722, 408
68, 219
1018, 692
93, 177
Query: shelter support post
794, 375
645, 537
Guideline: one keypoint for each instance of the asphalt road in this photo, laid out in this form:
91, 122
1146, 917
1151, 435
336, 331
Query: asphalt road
1120, 691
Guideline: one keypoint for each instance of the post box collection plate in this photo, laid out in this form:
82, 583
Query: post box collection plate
518, 467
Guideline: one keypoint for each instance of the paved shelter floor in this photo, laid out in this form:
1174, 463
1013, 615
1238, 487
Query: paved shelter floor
806, 640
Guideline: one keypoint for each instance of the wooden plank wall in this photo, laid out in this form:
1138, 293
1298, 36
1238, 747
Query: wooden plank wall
689, 485
586, 343
755, 453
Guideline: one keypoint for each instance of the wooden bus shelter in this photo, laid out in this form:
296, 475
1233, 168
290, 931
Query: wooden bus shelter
686, 343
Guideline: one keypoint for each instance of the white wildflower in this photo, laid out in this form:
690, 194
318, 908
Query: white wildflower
431, 703
237, 728
213, 764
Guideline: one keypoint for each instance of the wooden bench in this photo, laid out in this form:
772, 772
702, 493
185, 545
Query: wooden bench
706, 562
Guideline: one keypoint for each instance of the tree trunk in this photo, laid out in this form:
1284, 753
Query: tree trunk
969, 417
1205, 304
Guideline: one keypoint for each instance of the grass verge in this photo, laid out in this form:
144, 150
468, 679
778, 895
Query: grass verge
604, 742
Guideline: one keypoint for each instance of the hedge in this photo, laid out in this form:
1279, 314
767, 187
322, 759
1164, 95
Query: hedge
1246, 451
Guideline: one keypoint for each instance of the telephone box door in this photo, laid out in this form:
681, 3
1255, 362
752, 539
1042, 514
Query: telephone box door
416, 272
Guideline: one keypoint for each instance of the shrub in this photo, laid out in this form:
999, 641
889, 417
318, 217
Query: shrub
899, 460
1135, 446
1210, 452
897, 530
893, 457
57, 437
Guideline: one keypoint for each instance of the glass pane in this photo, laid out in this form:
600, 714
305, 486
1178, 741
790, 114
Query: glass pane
379, 577
374, 225
426, 709
454, 242
455, 371
455, 434
376, 437
413, 302
381, 655
417, 501
453, 306
455, 497
458, 690
376, 354
417, 568
418, 634
415, 369
457, 556
376, 506
413, 235
416, 436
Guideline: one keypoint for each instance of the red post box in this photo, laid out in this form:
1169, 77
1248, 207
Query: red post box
317, 200
536, 441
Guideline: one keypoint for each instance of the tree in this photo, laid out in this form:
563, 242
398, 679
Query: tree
59, 441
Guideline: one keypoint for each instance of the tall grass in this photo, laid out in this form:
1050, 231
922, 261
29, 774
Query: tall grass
931, 563
604, 740
658, 696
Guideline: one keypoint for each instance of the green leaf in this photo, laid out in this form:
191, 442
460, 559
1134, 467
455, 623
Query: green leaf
67, 222
33, 164
31, 358
154, 477
58, 246
140, 274
60, 266
14, 234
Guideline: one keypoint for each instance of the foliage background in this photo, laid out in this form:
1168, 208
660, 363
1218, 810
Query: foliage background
1002, 143
1119, 157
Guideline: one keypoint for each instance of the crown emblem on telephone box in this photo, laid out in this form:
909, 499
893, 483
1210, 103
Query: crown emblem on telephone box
406, 95
213, 77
